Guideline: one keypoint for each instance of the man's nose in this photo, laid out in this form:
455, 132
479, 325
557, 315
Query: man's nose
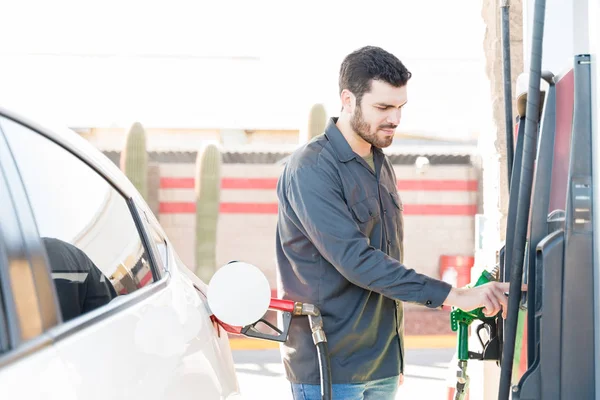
394, 117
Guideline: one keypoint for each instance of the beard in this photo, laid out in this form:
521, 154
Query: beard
363, 129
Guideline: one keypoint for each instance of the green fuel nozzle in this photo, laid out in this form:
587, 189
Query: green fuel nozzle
460, 321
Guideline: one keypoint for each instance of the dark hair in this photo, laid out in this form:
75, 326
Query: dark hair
369, 63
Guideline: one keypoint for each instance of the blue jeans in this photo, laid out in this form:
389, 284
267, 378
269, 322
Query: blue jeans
381, 389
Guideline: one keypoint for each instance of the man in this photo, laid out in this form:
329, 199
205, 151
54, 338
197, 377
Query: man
339, 241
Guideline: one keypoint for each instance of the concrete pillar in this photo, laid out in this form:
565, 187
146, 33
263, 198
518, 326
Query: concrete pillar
492, 45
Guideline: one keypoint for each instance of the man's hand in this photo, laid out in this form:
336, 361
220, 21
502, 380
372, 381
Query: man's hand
491, 296
401, 380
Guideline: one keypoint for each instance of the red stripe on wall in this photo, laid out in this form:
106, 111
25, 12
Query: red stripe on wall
271, 184
177, 208
176, 183
248, 208
440, 209
438, 185
226, 183
271, 208
249, 183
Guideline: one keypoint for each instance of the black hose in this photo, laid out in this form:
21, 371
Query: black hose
325, 370
508, 115
513, 202
500, 324
529, 149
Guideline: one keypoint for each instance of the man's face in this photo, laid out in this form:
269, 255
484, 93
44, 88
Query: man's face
376, 117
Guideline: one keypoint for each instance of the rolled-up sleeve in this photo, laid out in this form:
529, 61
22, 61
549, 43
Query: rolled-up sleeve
315, 201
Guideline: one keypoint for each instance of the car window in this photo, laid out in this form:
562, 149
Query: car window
5, 209
92, 242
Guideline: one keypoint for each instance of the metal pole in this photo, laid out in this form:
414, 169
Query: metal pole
508, 115
532, 116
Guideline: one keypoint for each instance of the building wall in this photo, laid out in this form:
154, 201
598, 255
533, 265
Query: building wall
440, 205
440, 200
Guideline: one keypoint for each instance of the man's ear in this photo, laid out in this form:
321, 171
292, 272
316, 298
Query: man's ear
348, 101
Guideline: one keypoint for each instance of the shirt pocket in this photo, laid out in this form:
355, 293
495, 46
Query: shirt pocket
396, 200
366, 212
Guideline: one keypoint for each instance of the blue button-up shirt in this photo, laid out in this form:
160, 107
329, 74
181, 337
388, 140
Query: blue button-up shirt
339, 247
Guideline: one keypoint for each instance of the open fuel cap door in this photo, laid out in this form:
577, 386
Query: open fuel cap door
239, 294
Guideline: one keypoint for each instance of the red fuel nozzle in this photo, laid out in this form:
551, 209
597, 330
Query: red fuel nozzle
276, 304
282, 305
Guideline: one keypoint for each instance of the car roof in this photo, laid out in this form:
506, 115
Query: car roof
83, 149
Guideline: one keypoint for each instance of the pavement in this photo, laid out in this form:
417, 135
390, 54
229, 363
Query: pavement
261, 374
410, 342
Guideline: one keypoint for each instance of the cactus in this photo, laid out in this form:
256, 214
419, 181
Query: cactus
134, 159
208, 196
317, 120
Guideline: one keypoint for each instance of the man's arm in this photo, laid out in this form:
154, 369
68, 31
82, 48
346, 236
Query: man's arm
320, 212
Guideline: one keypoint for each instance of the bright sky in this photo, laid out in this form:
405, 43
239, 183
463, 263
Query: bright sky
236, 64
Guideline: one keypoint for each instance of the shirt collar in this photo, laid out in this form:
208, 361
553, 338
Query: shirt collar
340, 144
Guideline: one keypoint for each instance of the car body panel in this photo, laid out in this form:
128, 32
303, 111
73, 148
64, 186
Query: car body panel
157, 342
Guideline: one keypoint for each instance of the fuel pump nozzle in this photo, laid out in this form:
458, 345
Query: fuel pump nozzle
460, 321
239, 297
292, 308
289, 309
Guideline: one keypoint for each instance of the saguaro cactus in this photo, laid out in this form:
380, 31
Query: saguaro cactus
134, 159
317, 120
208, 196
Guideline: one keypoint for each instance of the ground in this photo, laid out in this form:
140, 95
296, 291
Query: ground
261, 374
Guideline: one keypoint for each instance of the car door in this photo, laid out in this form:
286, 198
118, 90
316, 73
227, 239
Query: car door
131, 328
30, 367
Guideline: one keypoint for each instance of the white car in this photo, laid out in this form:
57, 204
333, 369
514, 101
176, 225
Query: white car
94, 301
